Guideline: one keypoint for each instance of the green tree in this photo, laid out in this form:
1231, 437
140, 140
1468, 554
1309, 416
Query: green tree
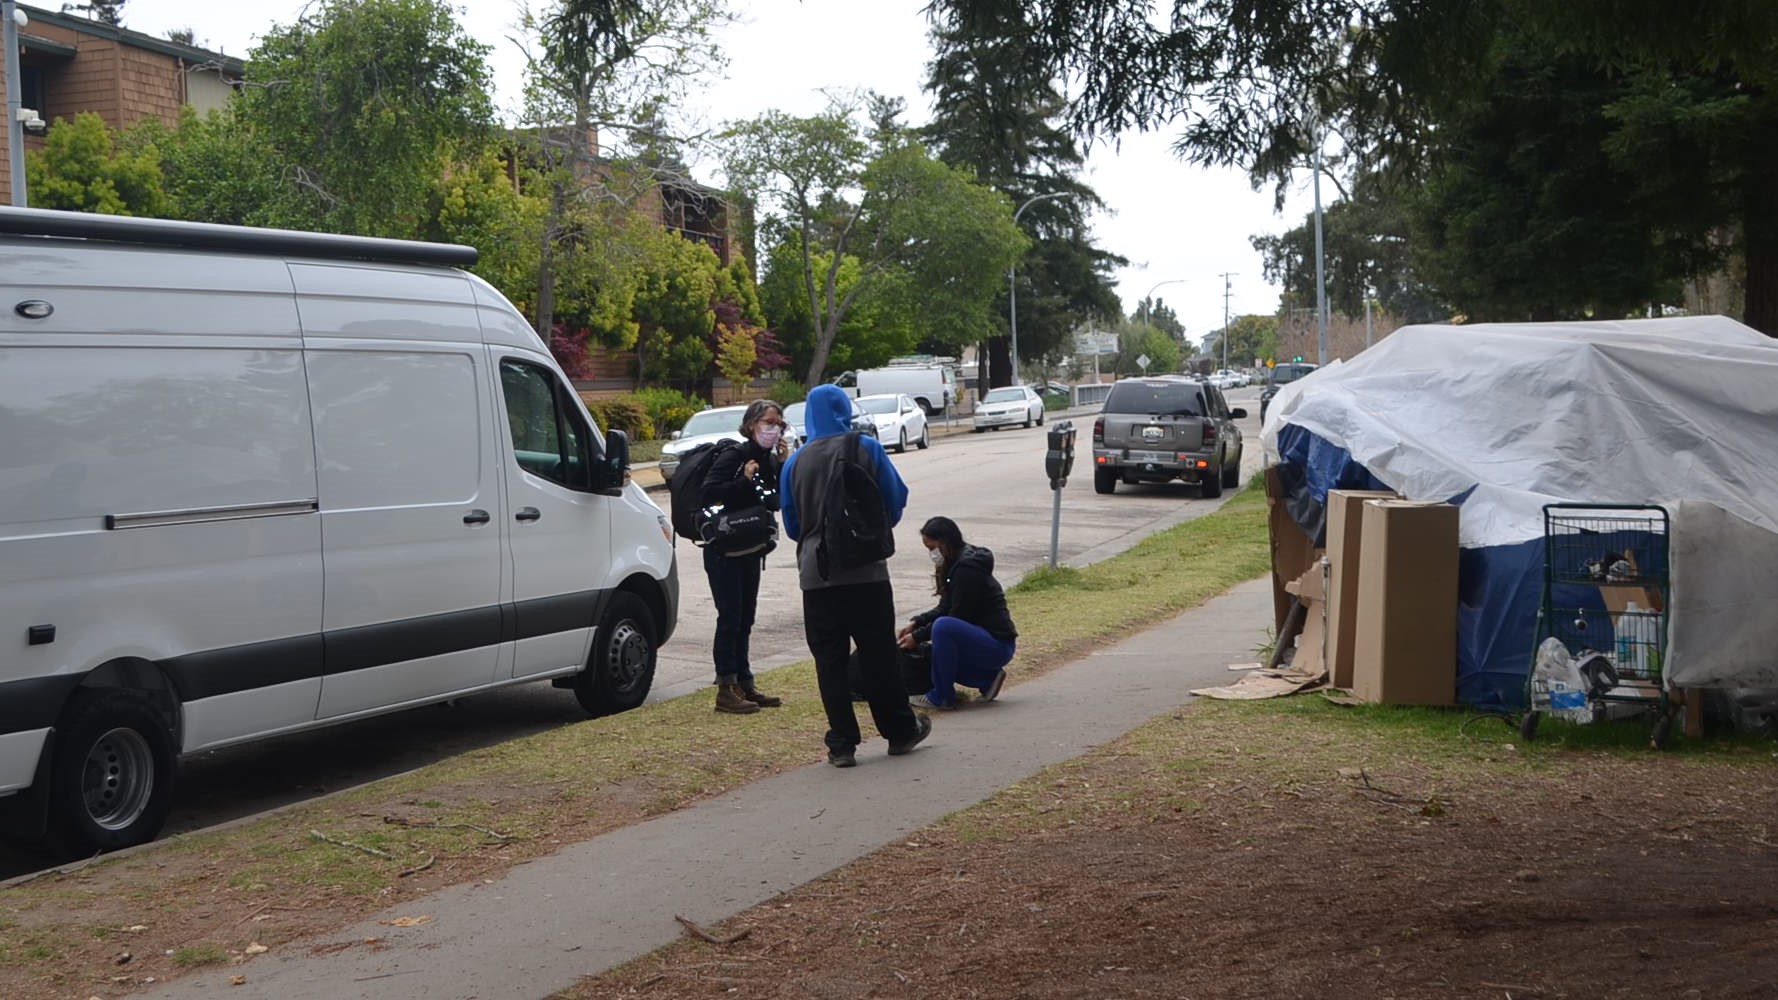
924, 236
1256, 84
735, 354
607, 67
1368, 242
82, 167
1249, 337
361, 104
213, 170
873, 330
998, 113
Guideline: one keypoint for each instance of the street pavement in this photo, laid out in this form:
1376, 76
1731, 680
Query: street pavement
614, 898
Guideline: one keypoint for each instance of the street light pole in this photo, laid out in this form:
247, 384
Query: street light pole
15, 129
1320, 262
1146, 315
1012, 285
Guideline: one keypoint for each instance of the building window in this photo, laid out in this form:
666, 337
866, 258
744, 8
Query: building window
31, 89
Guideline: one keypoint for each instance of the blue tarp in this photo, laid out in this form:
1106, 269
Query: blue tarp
1499, 587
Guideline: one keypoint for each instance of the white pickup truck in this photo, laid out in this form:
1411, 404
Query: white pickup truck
933, 386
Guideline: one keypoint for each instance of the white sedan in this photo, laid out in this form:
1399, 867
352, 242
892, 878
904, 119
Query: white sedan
899, 420
1012, 404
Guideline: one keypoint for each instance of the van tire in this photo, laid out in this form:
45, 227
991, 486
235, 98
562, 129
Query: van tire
1104, 481
620, 669
111, 781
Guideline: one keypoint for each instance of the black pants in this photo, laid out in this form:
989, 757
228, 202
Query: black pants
734, 586
863, 614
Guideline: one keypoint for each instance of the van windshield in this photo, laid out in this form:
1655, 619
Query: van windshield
1155, 397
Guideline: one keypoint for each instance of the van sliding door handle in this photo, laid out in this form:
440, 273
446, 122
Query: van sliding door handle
528, 514
477, 516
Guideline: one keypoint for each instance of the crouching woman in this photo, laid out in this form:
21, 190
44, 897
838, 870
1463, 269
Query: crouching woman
972, 634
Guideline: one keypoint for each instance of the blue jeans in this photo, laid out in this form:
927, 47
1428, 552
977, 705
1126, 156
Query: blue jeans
964, 654
734, 585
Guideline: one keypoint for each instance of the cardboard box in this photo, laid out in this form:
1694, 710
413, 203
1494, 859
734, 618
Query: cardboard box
1344, 529
1293, 551
1405, 648
1311, 642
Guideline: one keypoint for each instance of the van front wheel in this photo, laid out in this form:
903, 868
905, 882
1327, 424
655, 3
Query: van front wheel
621, 668
111, 783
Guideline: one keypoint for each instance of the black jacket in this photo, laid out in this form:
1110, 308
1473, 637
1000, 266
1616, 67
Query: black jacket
723, 485
972, 594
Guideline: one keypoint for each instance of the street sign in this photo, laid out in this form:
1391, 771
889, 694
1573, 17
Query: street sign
1142, 359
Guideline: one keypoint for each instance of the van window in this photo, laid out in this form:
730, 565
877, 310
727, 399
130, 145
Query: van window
395, 428
549, 438
1160, 398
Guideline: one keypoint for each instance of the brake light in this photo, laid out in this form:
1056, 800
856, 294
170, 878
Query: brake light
1209, 432
1099, 430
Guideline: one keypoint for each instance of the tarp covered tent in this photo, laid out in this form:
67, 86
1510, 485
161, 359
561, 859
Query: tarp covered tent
1505, 418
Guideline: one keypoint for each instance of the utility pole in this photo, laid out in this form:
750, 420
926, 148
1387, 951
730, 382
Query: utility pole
1226, 275
1320, 261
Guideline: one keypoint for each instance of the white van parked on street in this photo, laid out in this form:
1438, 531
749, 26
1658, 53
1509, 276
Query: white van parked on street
257, 481
931, 384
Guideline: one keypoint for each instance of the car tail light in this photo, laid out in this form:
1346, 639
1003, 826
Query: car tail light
1099, 430
1209, 432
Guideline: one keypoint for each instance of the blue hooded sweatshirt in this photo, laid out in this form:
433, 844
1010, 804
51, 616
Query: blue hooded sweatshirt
828, 414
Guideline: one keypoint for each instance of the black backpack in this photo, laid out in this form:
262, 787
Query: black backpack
855, 528
686, 485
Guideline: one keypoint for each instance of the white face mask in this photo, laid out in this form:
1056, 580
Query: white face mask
767, 437
937, 556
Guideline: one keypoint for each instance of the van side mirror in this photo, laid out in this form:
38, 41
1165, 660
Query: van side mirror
613, 470
1239, 412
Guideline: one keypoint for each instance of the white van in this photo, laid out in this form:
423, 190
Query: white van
256, 481
931, 384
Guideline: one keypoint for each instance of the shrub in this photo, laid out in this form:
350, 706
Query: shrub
785, 390
623, 412
667, 409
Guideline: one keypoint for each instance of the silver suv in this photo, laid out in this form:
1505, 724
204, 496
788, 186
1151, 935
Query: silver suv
1158, 429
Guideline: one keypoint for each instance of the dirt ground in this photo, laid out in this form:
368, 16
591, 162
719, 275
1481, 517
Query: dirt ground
1225, 851
1202, 858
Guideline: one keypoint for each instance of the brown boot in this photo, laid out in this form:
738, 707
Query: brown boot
732, 700
760, 698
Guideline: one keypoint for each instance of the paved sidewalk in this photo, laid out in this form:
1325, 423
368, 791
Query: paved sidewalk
611, 899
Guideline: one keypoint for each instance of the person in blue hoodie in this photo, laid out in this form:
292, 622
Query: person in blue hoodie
846, 606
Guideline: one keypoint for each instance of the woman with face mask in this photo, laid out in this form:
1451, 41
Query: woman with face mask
972, 635
742, 477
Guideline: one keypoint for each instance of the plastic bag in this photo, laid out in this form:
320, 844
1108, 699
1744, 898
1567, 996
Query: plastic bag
1556, 676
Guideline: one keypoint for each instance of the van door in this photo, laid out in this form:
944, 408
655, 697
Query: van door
411, 549
559, 531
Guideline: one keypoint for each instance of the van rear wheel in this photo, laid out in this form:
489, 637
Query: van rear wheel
111, 781
1104, 481
621, 668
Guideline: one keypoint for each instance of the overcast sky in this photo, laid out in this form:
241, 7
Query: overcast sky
1176, 223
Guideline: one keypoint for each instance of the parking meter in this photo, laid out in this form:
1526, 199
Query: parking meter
1058, 462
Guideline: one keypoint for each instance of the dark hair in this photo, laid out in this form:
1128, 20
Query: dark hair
949, 537
756, 411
